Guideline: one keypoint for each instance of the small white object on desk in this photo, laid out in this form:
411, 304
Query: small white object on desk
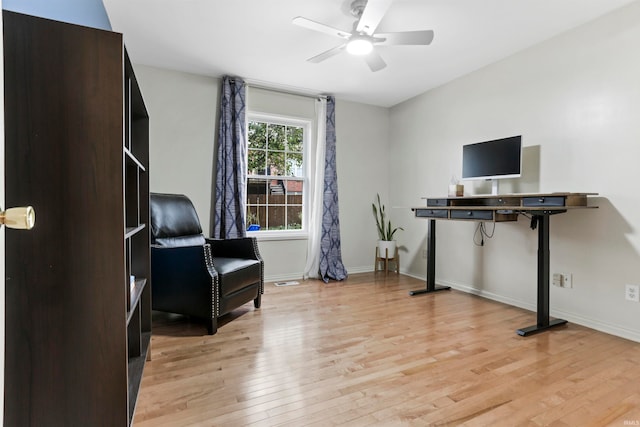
456, 190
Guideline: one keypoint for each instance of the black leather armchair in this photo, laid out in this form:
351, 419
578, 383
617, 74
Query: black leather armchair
196, 276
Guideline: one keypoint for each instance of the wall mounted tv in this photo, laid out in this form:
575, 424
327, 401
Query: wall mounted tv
493, 160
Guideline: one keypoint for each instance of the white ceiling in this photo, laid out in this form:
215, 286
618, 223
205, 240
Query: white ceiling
256, 40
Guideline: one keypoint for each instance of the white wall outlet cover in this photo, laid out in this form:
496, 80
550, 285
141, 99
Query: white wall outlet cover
558, 280
632, 293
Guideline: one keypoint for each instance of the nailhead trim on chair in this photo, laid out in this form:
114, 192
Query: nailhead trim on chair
215, 296
256, 252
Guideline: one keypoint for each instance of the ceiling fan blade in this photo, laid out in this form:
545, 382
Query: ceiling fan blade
316, 26
375, 61
327, 54
372, 15
405, 38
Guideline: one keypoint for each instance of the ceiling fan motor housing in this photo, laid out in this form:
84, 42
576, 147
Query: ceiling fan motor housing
357, 7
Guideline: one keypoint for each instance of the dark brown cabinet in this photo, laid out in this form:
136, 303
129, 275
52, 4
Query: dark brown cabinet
78, 291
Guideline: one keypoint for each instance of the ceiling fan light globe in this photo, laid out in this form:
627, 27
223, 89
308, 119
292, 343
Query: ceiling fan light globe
359, 46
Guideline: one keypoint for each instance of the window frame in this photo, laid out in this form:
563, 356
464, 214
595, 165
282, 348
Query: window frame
307, 125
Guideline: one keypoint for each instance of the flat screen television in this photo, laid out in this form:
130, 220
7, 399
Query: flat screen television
493, 160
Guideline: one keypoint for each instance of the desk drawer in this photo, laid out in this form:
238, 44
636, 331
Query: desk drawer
432, 213
543, 201
472, 214
437, 202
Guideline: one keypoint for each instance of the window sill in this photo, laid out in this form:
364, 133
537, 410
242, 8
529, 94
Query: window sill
278, 235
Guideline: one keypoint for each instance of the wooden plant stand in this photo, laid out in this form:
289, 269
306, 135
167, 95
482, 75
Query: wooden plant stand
395, 260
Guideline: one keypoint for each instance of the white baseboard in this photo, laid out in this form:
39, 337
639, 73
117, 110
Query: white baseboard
356, 270
298, 276
282, 278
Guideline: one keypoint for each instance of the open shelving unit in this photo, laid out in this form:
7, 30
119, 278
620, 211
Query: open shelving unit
78, 328
135, 151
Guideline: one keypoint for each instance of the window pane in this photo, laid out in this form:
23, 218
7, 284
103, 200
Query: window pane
256, 215
256, 162
257, 135
293, 190
276, 137
256, 202
294, 138
294, 217
256, 191
275, 162
294, 164
276, 217
277, 190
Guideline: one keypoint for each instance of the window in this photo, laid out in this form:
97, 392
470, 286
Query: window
276, 174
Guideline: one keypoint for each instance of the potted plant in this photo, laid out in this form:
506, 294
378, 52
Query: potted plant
386, 244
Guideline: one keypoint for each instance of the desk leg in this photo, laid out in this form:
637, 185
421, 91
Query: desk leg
543, 282
431, 263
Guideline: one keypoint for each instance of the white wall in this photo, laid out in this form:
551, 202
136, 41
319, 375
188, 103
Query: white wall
183, 111
362, 152
182, 115
576, 101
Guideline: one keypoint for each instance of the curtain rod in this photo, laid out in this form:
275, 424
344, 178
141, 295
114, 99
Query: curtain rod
284, 91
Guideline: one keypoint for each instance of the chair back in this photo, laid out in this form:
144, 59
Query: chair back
174, 221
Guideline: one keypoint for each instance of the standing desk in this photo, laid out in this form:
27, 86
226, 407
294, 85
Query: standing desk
501, 208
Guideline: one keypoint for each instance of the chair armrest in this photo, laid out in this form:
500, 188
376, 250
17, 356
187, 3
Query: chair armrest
243, 247
184, 280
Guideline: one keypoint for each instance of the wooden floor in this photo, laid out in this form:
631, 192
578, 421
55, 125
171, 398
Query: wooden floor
362, 352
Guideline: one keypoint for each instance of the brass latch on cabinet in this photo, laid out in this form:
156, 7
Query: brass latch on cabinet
22, 218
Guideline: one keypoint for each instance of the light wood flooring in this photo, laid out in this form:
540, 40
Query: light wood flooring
363, 352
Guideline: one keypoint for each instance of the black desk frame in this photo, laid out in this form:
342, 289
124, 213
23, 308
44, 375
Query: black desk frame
431, 263
540, 218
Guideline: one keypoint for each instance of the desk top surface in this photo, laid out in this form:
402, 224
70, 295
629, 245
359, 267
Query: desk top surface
512, 195
517, 202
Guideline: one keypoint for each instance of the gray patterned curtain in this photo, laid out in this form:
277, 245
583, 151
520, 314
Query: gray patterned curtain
331, 266
231, 165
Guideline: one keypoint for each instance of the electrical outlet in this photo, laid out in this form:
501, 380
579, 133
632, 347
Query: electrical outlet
424, 253
632, 293
562, 280
558, 280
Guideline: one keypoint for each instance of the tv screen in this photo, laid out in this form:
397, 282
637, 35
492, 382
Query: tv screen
499, 158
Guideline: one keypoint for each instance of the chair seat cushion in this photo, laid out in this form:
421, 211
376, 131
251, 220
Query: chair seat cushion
235, 274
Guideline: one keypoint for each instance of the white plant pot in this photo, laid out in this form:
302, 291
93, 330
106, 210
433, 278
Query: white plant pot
386, 248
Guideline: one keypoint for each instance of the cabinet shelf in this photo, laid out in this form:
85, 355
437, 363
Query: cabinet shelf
134, 297
132, 231
133, 158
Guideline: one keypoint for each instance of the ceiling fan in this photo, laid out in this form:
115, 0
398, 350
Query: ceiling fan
363, 38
